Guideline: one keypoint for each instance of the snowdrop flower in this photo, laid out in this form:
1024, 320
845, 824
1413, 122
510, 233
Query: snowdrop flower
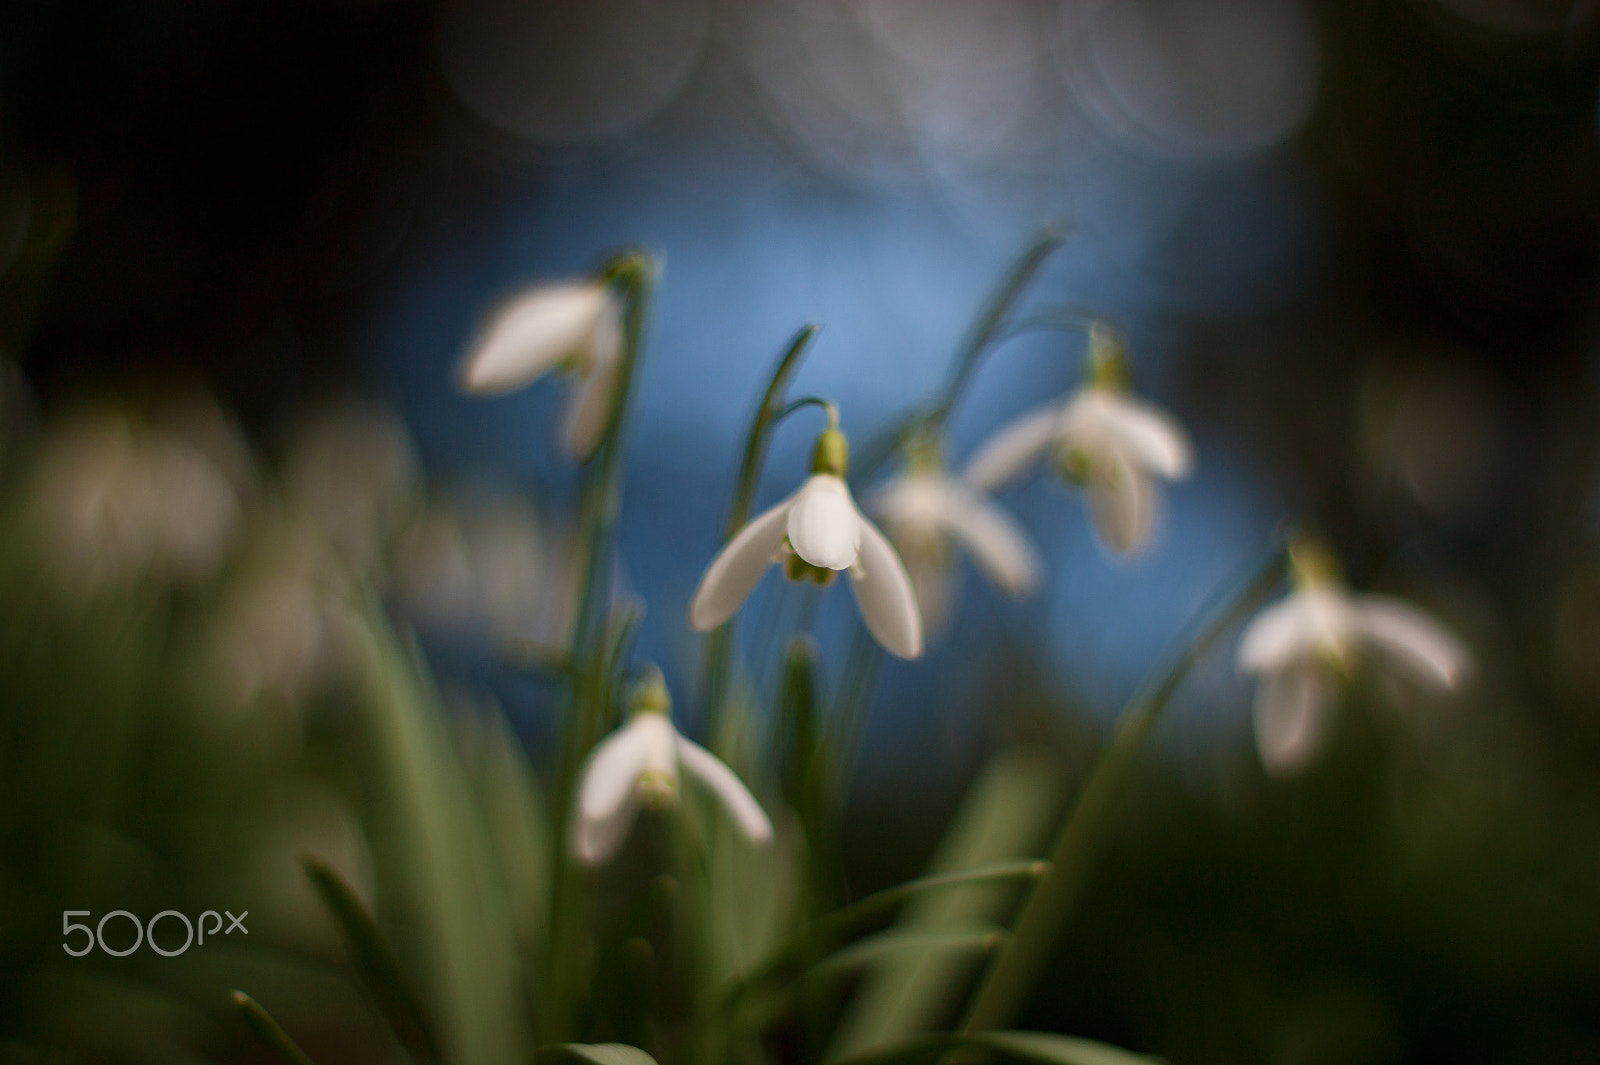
1305, 646
637, 766
1101, 439
282, 628
815, 533
480, 566
114, 500
925, 509
351, 469
573, 326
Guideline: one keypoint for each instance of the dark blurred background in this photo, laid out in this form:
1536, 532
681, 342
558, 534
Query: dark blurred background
1354, 245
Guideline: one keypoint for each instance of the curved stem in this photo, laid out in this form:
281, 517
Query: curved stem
718, 649
633, 273
601, 505
828, 407
1078, 841
980, 336
755, 440
1062, 319
988, 324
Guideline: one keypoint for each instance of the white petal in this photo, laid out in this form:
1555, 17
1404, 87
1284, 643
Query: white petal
531, 334
1275, 637
1122, 503
934, 588
737, 567
996, 543
1014, 448
1315, 621
612, 769
660, 745
1291, 715
607, 799
883, 592
595, 840
824, 526
1147, 434
728, 787
1412, 639
590, 409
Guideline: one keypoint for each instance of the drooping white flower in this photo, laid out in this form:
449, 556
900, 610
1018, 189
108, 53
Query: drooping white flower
114, 500
637, 766
574, 327
351, 469
1306, 645
925, 511
1102, 439
817, 532
479, 564
282, 628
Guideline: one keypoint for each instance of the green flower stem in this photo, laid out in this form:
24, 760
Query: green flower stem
987, 326
633, 272
1079, 840
602, 503
759, 435
719, 647
1058, 319
985, 330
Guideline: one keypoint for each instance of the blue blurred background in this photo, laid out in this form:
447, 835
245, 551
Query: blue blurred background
1353, 245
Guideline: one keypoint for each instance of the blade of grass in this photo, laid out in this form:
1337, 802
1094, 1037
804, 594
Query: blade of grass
376, 964
1006, 816
1082, 833
450, 885
1045, 1047
269, 1031
600, 1053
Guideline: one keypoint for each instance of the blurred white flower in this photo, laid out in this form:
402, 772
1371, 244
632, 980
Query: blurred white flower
351, 469
281, 630
113, 501
575, 327
1101, 439
480, 565
1305, 647
924, 510
638, 766
815, 533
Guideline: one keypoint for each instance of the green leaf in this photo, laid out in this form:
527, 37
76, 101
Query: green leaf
815, 938
1006, 815
517, 823
892, 943
716, 658
375, 961
450, 885
1002, 990
601, 1053
1046, 1047
888, 898
268, 1030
